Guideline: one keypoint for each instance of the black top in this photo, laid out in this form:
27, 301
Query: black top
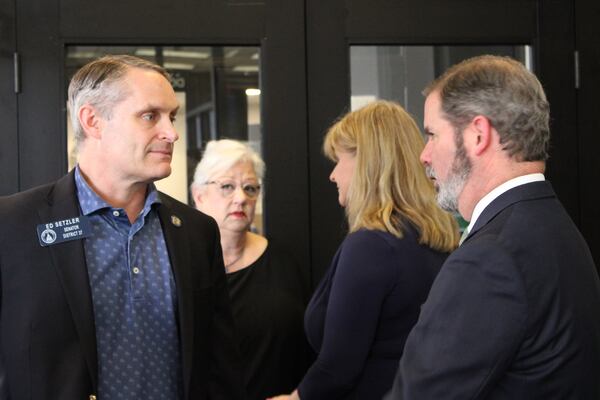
362, 312
268, 300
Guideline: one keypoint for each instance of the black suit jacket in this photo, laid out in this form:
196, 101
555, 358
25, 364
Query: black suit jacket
513, 314
47, 333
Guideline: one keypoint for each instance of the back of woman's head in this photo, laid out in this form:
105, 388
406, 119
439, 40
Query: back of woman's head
221, 155
389, 186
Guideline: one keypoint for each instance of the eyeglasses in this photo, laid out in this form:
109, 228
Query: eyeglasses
227, 188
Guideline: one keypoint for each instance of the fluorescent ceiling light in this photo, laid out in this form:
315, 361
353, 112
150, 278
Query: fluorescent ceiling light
202, 55
146, 52
252, 92
150, 52
245, 68
83, 54
172, 65
232, 53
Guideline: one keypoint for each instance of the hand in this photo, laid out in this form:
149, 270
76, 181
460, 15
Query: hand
292, 396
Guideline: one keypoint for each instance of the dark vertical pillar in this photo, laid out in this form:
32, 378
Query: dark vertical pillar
41, 102
283, 112
328, 97
587, 15
9, 160
556, 71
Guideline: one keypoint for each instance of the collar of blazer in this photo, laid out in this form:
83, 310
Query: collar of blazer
528, 191
177, 238
69, 260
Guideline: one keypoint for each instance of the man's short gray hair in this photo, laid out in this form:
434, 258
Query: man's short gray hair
505, 92
98, 84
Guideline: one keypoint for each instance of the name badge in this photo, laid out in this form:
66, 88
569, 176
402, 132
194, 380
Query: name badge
63, 230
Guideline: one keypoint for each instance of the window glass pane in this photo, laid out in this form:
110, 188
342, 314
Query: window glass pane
400, 73
219, 94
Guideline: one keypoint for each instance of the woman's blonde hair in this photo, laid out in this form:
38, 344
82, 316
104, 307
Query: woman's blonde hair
389, 185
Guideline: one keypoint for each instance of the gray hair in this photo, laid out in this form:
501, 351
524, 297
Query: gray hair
99, 84
505, 92
221, 155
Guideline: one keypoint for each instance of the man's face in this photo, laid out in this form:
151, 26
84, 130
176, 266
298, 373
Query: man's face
137, 140
446, 160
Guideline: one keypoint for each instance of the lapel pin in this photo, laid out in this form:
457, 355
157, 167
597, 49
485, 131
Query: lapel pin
175, 220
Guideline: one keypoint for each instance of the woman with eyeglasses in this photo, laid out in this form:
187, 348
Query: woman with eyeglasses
362, 311
268, 290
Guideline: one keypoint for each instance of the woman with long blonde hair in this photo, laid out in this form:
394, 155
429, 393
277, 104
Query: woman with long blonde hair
365, 306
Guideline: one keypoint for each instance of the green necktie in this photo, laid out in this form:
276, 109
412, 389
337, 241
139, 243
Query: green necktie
464, 235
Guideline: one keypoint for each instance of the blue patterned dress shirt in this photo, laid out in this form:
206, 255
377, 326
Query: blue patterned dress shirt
134, 299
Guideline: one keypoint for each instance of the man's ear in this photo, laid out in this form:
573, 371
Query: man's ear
90, 121
483, 134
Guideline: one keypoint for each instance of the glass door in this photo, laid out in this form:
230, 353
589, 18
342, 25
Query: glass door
361, 50
216, 50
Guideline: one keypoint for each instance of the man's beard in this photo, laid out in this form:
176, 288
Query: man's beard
450, 190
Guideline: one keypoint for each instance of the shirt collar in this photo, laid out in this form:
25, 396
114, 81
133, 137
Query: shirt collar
498, 190
90, 201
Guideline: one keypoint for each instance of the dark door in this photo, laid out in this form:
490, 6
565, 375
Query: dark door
335, 26
49, 28
9, 154
588, 124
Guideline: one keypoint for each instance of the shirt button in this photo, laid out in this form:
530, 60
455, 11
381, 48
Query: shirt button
136, 270
116, 213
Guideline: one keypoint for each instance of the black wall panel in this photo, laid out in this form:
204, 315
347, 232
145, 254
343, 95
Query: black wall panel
458, 21
587, 15
556, 70
42, 148
212, 20
328, 97
284, 116
9, 155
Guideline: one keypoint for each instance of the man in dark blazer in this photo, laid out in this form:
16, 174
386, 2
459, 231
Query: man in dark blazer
78, 321
515, 311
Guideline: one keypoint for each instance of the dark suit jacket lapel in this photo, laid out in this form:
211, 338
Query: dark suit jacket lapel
177, 240
529, 191
69, 261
